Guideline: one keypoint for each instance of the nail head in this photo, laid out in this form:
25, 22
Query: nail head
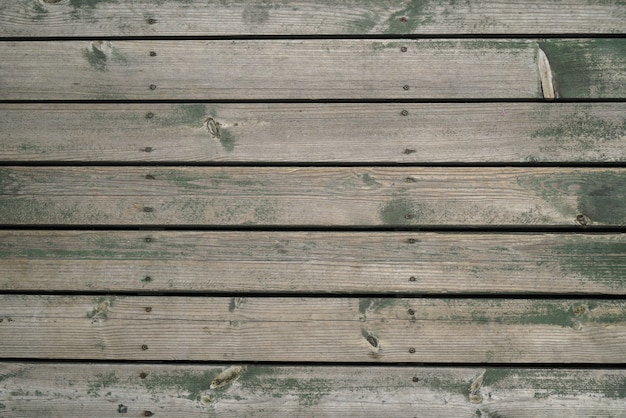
406, 87
143, 375
411, 350
404, 113
411, 312
403, 49
412, 279
153, 54
144, 347
152, 86
415, 379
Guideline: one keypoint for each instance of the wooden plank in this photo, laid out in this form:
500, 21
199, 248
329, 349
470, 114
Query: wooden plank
306, 262
312, 196
286, 133
271, 69
315, 329
305, 17
103, 390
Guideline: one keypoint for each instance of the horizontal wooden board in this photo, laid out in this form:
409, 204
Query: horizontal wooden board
312, 196
269, 69
106, 390
306, 17
351, 262
285, 133
315, 329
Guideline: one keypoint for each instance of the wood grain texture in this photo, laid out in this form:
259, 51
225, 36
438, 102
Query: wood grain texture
306, 17
272, 69
103, 390
286, 133
312, 196
315, 329
320, 262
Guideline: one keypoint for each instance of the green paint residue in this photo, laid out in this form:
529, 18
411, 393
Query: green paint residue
580, 67
191, 385
401, 212
227, 140
584, 129
410, 18
96, 58
601, 261
603, 197
268, 381
102, 381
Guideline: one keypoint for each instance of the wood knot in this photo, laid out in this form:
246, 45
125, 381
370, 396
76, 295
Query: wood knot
213, 127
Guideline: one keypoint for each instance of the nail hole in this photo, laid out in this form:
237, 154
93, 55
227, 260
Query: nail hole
412, 279
147, 239
415, 379
405, 113
409, 151
152, 54
149, 177
583, 219
147, 279
410, 180
147, 413
122, 409
143, 375
149, 115
408, 216
403, 19
144, 347
411, 240
403, 49
148, 309
151, 21
411, 312
411, 350
152, 86
148, 209
147, 149
406, 87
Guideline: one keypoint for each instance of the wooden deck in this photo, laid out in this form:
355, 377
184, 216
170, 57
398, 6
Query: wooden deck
312, 208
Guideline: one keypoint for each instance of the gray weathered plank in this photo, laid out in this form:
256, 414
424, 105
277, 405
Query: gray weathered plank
300, 17
315, 329
312, 196
193, 132
269, 69
106, 390
321, 262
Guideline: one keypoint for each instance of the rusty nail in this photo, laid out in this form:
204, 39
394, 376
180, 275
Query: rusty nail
412, 279
149, 115
403, 19
152, 86
148, 309
144, 347
147, 413
143, 375
149, 177
148, 209
403, 49
408, 216
582, 219
411, 312
151, 21
406, 87
405, 113
147, 149
411, 350
152, 54
415, 379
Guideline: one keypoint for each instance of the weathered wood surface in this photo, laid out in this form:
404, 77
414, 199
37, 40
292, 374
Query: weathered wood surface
312, 196
104, 390
310, 69
315, 329
285, 133
305, 17
321, 262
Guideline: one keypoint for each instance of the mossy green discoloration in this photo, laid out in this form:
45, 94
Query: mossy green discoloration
585, 68
402, 212
602, 260
369, 180
192, 115
580, 131
101, 311
189, 384
375, 304
2, 406
101, 381
40, 11
547, 313
269, 381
